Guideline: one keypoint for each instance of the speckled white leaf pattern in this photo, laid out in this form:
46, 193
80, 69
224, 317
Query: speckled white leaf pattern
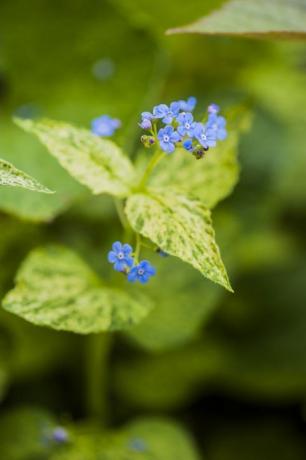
211, 179
55, 288
255, 18
95, 162
181, 226
9, 175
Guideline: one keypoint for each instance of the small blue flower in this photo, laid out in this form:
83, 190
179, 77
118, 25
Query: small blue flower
213, 108
147, 115
186, 124
189, 105
167, 114
218, 124
120, 256
187, 144
205, 135
141, 272
138, 445
60, 435
105, 125
145, 123
167, 138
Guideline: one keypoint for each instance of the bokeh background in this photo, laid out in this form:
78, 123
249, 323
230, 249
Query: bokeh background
231, 368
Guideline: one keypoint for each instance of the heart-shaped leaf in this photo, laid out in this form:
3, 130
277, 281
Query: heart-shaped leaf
55, 288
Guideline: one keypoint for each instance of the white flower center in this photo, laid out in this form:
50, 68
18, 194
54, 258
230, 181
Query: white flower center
141, 271
187, 125
120, 255
166, 138
203, 137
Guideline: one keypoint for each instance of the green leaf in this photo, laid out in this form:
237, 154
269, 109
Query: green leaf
24, 151
253, 18
9, 175
144, 439
176, 319
97, 163
181, 226
23, 434
55, 288
168, 380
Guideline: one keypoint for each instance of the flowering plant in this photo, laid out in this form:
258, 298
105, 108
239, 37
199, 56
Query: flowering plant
163, 206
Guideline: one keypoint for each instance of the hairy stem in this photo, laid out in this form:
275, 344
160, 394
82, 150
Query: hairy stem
158, 155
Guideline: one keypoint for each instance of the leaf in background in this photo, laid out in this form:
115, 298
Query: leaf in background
181, 226
251, 438
96, 76
97, 163
180, 310
147, 14
25, 152
144, 439
253, 18
55, 288
9, 175
167, 380
213, 178
23, 434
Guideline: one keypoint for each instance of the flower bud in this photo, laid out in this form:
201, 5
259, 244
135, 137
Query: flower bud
145, 124
147, 141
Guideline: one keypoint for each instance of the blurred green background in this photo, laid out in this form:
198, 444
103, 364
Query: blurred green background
230, 368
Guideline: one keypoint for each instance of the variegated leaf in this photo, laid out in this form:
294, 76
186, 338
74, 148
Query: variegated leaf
55, 288
181, 226
253, 18
97, 163
211, 179
9, 175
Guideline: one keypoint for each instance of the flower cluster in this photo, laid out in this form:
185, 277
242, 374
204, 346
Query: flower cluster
121, 256
181, 129
105, 125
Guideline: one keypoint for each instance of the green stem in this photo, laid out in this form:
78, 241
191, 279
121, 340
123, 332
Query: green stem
158, 155
98, 346
120, 212
138, 247
127, 235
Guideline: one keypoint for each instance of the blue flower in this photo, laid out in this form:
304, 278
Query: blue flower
205, 135
167, 138
146, 118
187, 144
145, 124
147, 115
105, 125
138, 445
168, 114
186, 124
141, 272
213, 108
120, 256
60, 435
189, 105
218, 124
